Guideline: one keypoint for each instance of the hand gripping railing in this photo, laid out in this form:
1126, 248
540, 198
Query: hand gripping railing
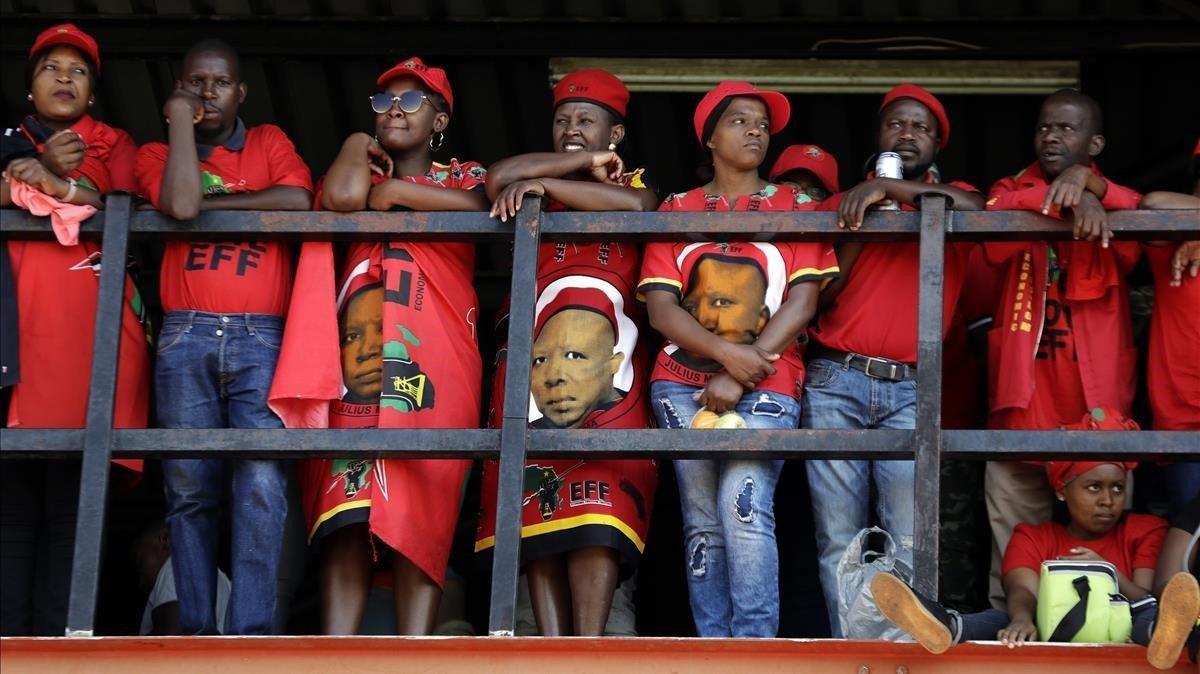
99, 442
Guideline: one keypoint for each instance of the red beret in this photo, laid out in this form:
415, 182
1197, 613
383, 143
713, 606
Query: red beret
434, 78
586, 299
68, 34
924, 98
808, 158
779, 110
593, 85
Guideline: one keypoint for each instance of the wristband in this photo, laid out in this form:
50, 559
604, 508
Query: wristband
71, 190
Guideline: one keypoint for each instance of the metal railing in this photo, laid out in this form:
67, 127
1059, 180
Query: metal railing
98, 442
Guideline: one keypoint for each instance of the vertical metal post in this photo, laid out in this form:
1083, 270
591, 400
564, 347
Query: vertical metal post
514, 436
98, 436
928, 436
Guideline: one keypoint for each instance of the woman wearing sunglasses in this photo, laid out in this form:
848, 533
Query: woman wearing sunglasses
405, 318
584, 522
62, 159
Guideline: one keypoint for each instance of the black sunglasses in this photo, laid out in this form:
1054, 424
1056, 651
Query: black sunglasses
410, 101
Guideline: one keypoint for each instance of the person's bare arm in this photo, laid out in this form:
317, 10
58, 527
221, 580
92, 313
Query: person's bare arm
274, 198
1169, 201
1171, 560
180, 193
578, 195
1068, 188
1020, 591
858, 199
35, 174
551, 165
391, 193
348, 180
847, 255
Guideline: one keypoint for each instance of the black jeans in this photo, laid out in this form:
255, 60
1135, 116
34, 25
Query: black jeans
38, 504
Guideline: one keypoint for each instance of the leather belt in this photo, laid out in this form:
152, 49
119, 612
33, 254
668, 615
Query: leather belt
878, 368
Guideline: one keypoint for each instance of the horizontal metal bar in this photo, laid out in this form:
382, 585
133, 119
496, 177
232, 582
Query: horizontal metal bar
961, 225
280, 444
1016, 445
977, 445
714, 444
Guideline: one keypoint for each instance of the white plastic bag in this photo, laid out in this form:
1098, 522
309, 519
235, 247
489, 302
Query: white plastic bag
859, 615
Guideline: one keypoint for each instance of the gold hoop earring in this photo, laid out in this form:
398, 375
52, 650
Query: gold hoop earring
441, 140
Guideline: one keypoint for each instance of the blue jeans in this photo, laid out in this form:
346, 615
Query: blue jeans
1183, 484
839, 397
729, 519
214, 372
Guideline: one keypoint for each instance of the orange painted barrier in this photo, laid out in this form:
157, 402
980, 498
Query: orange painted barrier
476, 655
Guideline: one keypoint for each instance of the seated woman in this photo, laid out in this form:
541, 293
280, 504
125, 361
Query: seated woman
1099, 530
732, 312
584, 522
404, 316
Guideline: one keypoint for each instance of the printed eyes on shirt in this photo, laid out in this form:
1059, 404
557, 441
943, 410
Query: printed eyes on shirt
569, 355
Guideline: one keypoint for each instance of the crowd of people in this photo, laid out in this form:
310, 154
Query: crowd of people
757, 335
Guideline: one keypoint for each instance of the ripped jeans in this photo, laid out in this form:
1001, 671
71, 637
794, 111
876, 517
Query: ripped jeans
729, 519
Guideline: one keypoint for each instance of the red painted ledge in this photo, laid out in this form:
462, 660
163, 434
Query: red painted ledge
305, 654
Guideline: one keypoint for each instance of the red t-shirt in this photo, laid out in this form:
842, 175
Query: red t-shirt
229, 276
1133, 544
1173, 366
736, 298
875, 314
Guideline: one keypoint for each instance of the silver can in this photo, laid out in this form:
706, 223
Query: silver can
889, 165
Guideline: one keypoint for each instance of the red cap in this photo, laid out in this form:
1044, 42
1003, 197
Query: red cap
70, 35
808, 158
778, 108
593, 85
434, 78
924, 98
586, 299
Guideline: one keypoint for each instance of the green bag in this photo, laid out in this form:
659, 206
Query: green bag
1080, 602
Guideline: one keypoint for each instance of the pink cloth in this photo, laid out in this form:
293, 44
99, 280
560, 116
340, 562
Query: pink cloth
64, 218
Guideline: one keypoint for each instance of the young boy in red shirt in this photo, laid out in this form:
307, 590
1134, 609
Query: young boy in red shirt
863, 355
1063, 341
225, 304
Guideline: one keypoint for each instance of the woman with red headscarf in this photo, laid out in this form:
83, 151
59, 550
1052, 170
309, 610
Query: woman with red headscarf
404, 316
59, 161
1097, 529
584, 522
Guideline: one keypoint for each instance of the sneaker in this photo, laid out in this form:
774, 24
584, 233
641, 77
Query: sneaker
924, 620
1177, 613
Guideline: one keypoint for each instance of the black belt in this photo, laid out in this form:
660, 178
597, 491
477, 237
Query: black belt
879, 368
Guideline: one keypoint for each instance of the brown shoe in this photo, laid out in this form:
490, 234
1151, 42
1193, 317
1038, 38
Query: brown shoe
924, 620
1177, 613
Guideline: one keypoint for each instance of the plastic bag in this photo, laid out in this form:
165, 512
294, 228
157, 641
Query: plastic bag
859, 615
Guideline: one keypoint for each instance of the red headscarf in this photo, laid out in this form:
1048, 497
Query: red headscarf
1100, 419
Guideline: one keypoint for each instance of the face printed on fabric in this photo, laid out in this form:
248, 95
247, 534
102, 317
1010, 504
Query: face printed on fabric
400, 131
742, 134
61, 85
805, 182
728, 299
573, 366
584, 127
362, 346
909, 129
1096, 499
213, 76
1065, 137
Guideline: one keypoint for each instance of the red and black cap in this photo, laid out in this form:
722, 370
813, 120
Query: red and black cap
593, 85
434, 78
70, 35
808, 158
925, 98
779, 110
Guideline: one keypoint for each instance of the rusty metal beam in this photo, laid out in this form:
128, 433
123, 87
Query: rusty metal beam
305, 655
